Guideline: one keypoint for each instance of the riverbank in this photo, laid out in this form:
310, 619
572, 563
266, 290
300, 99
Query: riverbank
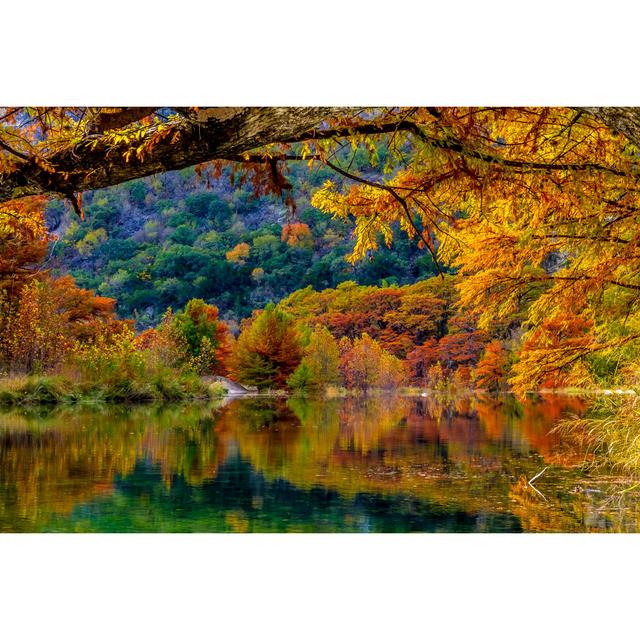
58, 389
33, 390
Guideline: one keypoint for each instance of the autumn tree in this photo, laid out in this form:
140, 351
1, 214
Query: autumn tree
366, 365
47, 318
205, 339
535, 209
85, 313
23, 244
552, 353
320, 363
268, 349
297, 234
35, 336
490, 372
239, 253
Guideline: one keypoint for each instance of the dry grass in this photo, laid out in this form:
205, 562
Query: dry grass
20, 390
611, 432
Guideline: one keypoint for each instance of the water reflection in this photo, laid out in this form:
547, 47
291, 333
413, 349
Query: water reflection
263, 464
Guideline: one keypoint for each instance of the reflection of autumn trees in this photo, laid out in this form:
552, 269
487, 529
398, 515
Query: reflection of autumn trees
528, 423
51, 470
459, 452
49, 465
580, 510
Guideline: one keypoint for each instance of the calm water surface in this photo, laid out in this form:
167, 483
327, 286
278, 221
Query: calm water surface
386, 464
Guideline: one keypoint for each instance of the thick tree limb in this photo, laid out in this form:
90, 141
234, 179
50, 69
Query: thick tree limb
224, 132
624, 120
96, 162
118, 117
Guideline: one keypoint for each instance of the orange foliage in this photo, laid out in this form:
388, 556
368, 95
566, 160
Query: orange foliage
366, 365
490, 372
551, 353
239, 253
455, 351
268, 349
23, 242
297, 234
48, 318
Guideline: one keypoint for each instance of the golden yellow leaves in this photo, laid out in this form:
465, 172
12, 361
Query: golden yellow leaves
536, 208
239, 253
24, 217
374, 212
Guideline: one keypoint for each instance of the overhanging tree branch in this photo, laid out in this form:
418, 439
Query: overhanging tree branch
96, 161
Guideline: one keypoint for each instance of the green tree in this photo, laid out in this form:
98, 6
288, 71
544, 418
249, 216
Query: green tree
204, 335
320, 364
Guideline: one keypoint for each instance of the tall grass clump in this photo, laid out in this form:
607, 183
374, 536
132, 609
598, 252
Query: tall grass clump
32, 390
610, 432
122, 372
111, 368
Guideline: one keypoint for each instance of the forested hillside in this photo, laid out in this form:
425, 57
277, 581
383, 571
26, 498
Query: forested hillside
157, 242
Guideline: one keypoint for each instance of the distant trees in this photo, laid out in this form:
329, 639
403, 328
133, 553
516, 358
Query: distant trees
458, 351
366, 365
361, 364
491, 370
181, 241
366, 338
398, 317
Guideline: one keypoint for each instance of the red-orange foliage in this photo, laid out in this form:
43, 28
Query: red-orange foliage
551, 353
397, 317
23, 242
41, 317
453, 351
81, 310
47, 317
491, 370
297, 234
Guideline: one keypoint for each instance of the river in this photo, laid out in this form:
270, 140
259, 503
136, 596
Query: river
380, 464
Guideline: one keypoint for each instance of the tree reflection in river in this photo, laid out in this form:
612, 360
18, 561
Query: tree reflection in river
382, 463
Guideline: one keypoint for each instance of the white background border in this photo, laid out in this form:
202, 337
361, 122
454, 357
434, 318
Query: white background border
323, 586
